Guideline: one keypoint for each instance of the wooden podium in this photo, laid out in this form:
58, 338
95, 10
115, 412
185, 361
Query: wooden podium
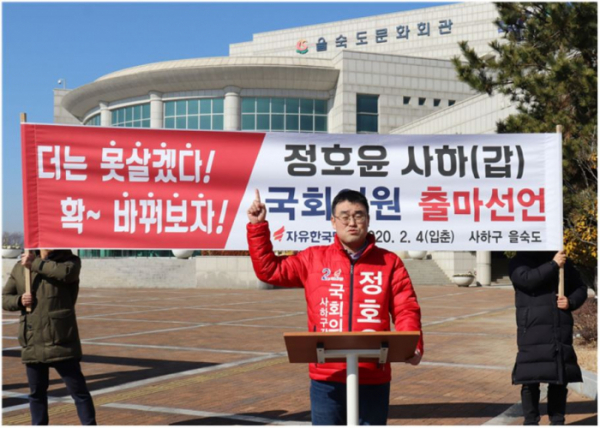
381, 347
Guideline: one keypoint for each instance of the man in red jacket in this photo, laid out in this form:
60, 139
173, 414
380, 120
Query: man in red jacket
350, 285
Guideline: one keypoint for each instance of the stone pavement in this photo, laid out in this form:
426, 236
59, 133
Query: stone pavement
217, 357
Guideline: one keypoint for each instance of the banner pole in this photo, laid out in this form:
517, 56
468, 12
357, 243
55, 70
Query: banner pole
561, 271
26, 252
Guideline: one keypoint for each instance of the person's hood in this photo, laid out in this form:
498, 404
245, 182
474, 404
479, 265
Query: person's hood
538, 257
60, 255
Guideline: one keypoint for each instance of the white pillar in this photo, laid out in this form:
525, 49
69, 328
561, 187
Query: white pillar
105, 114
352, 389
330, 100
484, 267
232, 107
156, 109
331, 125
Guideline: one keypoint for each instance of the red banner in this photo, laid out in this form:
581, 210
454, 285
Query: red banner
89, 187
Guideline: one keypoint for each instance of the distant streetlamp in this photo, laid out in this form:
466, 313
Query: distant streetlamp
63, 82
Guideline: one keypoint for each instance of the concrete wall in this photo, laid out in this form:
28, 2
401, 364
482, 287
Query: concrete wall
475, 115
226, 272
158, 272
7, 265
152, 272
454, 262
61, 115
393, 77
220, 272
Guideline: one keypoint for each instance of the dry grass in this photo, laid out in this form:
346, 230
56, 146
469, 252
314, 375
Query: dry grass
586, 331
586, 321
587, 355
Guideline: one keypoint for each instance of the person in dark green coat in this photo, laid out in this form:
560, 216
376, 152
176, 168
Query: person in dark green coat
48, 334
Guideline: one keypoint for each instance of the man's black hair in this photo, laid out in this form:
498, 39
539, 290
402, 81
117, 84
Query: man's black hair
351, 196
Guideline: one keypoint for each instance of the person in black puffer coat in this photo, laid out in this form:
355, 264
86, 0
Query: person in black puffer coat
545, 331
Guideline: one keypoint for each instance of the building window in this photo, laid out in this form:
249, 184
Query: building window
422, 101
406, 100
204, 113
451, 102
436, 102
93, 121
284, 115
367, 114
132, 117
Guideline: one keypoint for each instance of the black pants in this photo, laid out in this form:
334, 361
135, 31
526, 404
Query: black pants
557, 403
70, 372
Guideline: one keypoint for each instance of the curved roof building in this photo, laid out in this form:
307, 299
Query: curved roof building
375, 74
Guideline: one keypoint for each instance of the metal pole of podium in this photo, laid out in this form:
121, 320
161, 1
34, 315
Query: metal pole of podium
352, 356
352, 389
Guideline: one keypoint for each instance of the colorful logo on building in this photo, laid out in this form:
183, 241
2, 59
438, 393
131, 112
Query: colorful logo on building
302, 46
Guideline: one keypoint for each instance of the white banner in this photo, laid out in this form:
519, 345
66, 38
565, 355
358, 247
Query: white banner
426, 192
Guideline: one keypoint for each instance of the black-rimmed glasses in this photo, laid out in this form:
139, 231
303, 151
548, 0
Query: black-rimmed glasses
359, 218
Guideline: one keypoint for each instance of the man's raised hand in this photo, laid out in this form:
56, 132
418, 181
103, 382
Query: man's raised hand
257, 211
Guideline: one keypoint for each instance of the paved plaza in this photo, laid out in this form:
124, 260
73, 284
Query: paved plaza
217, 357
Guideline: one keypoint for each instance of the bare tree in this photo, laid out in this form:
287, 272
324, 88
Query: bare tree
12, 239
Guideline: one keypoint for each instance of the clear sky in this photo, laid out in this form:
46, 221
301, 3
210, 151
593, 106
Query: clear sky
79, 42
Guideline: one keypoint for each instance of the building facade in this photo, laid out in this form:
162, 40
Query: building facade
384, 74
